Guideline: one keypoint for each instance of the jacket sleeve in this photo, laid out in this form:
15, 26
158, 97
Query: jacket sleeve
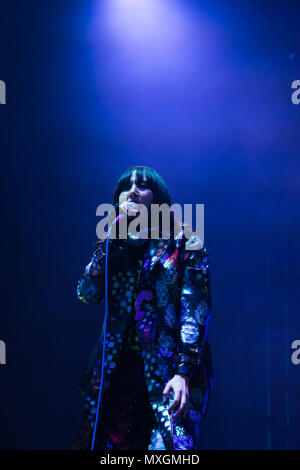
194, 310
91, 286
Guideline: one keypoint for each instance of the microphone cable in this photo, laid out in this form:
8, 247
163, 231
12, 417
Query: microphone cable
104, 331
117, 219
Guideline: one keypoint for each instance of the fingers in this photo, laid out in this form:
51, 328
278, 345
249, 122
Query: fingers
180, 403
182, 408
181, 397
130, 209
176, 401
166, 392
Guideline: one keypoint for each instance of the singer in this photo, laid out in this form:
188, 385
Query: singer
157, 376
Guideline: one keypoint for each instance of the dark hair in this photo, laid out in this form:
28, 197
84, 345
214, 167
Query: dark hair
157, 185
154, 182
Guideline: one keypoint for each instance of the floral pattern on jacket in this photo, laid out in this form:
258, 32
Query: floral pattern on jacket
172, 311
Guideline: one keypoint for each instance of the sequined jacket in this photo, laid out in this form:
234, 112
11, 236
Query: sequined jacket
172, 311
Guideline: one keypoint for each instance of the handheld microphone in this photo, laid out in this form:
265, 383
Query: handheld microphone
131, 205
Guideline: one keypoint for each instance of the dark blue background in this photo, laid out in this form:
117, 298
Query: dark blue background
201, 91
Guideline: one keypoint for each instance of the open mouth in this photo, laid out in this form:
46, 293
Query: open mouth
134, 200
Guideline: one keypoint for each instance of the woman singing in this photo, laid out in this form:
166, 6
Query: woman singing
156, 379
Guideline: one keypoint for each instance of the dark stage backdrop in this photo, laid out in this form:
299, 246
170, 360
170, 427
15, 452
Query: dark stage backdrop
201, 91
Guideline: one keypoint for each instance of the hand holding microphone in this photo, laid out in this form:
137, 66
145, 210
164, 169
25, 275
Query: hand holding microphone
128, 209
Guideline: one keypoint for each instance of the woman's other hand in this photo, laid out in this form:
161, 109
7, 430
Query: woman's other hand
179, 385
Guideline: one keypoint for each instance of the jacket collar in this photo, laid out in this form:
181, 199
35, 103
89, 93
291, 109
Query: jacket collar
157, 251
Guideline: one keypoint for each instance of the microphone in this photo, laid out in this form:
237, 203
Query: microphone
131, 204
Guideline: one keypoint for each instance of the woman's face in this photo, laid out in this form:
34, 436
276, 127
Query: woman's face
137, 191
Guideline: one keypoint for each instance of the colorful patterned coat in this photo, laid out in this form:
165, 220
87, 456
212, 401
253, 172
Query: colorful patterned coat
172, 310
